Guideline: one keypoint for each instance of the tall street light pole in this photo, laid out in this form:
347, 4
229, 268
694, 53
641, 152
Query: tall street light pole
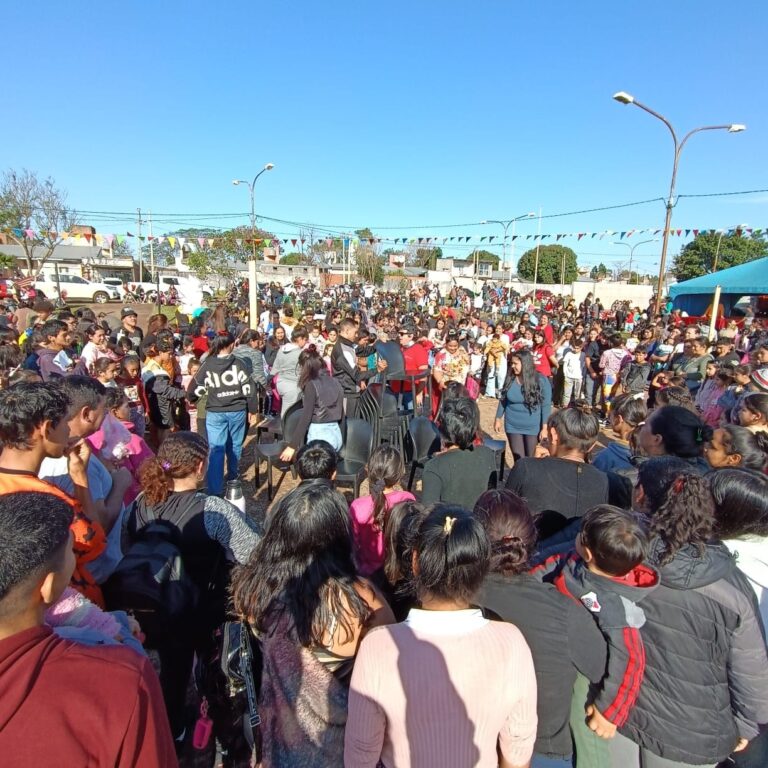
632, 252
253, 285
626, 98
505, 225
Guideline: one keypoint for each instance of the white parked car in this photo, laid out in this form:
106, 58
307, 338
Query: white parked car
76, 287
116, 283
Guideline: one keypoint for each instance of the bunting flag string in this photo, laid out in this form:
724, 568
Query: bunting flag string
201, 243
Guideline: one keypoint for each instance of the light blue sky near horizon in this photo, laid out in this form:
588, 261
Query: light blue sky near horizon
393, 116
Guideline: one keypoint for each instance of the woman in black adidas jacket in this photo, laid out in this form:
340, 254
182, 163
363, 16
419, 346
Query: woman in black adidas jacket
705, 690
231, 397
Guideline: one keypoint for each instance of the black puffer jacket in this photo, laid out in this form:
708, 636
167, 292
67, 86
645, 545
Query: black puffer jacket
706, 677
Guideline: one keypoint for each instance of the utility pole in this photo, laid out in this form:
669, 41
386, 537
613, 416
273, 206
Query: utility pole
141, 258
151, 250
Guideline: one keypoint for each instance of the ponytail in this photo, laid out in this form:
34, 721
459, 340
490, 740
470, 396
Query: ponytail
385, 469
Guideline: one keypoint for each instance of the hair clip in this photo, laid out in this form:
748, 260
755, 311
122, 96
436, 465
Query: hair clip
222, 333
699, 435
448, 527
679, 483
166, 465
639, 396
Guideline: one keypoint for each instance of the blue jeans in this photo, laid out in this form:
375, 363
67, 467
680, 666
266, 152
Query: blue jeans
329, 432
226, 431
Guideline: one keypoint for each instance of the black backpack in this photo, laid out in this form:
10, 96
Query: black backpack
152, 583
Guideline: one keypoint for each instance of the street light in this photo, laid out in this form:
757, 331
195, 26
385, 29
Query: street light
253, 286
625, 98
632, 252
505, 225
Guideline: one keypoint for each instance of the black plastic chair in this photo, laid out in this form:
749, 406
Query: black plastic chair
358, 444
499, 447
270, 452
424, 441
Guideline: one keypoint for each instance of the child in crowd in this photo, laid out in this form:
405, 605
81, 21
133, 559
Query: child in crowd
611, 362
105, 370
607, 575
709, 393
196, 410
628, 412
132, 451
476, 361
327, 350
573, 363
187, 353
734, 391
129, 379
633, 377
368, 513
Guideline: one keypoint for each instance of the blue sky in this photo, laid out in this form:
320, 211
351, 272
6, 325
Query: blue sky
392, 114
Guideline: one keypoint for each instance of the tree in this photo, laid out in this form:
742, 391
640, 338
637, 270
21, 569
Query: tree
370, 263
426, 257
550, 264
698, 257
292, 259
600, 272
29, 203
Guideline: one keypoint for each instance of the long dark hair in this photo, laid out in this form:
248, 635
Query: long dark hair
741, 503
680, 506
385, 469
683, 433
220, 342
529, 380
302, 570
453, 554
311, 365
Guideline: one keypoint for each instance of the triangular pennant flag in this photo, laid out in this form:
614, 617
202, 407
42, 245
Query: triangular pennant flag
303, 240
329, 241
201, 242
445, 240
490, 239
621, 236
211, 241
581, 234
172, 241
87, 236
294, 241
110, 239
258, 241
695, 232
18, 232
239, 242
129, 234
141, 237
267, 241
420, 239
483, 239
678, 232
182, 241
687, 232
559, 236
30, 233
120, 239
593, 235
99, 239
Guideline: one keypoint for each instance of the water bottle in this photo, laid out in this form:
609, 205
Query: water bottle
234, 494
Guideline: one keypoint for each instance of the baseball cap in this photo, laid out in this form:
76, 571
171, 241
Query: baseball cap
128, 311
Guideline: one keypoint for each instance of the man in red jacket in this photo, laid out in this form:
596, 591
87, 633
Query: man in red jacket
64, 703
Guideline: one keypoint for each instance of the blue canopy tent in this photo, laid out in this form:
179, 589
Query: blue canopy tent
694, 296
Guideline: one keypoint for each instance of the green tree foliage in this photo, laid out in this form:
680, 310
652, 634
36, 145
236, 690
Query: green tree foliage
600, 272
698, 257
485, 257
550, 264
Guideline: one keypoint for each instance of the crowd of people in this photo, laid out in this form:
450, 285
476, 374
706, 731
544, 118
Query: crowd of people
601, 605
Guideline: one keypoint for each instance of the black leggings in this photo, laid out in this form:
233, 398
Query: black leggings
522, 445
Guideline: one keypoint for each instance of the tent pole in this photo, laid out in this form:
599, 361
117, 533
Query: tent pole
713, 319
